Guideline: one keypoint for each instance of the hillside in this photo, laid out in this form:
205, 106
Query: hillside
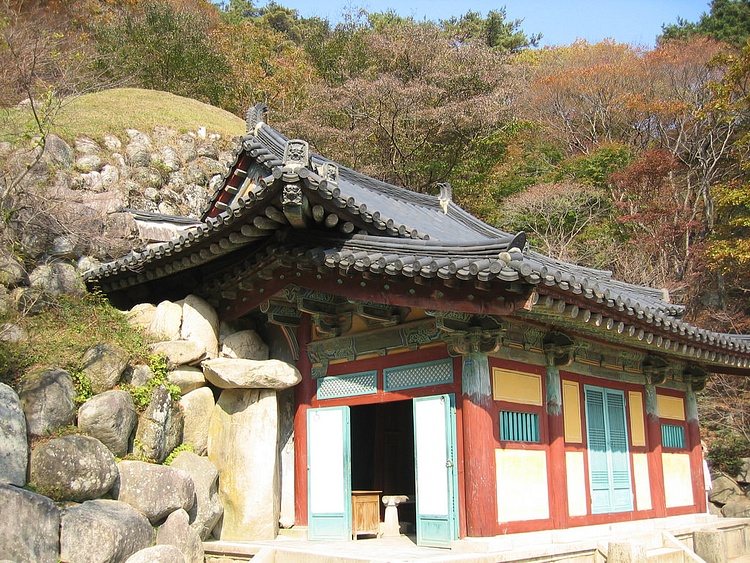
114, 111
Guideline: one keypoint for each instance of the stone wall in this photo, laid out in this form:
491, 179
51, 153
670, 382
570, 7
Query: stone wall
103, 493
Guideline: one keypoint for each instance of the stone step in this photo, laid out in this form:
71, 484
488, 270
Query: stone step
665, 555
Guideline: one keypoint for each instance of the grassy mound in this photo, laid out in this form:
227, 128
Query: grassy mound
114, 111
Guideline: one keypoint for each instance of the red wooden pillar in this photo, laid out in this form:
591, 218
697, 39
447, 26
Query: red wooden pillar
696, 452
479, 450
558, 481
303, 395
655, 464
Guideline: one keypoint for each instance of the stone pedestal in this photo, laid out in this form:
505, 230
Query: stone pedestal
391, 526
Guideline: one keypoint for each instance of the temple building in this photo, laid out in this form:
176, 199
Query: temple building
443, 360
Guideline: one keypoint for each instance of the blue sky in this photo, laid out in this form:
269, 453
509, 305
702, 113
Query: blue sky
561, 22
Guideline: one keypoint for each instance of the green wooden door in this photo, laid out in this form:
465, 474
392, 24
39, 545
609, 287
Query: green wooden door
609, 458
329, 483
435, 470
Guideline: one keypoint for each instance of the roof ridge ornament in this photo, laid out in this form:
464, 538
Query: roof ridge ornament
446, 196
296, 154
255, 117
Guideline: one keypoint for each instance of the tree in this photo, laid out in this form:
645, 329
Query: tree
163, 46
727, 21
414, 111
263, 66
494, 31
556, 217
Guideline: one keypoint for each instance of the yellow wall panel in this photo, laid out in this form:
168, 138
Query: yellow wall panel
642, 482
572, 412
671, 407
515, 387
637, 422
576, 477
678, 487
522, 492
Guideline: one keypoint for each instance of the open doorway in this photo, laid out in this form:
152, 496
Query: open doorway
382, 450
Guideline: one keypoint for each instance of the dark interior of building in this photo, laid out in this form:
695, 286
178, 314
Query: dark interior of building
382, 444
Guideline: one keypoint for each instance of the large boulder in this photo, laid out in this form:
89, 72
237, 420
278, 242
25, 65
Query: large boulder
48, 400
158, 554
207, 509
737, 507
244, 344
200, 323
180, 352
187, 378
12, 272
57, 152
141, 316
197, 409
75, 468
242, 444
31, 526
155, 490
58, 278
723, 489
159, 429
14, 447
103, 530
232, 373
104, 365
109, 417
176, 531
166, 321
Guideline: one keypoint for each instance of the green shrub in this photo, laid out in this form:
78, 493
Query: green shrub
725, 453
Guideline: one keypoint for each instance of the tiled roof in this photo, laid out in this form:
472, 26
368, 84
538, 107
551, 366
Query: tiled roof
377, 229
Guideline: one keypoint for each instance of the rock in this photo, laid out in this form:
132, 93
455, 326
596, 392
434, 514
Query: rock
14, 448
207, 509
75, 468
90, 181
21, 512
10, 332
103, 530
47, 397
230, 373
141, 315
737, 507
201, 324
180, 352
169, 158
176, 531
139, 376
110, 175
159, 429
109, 417
242, 444
158, 554
88, 163
197, 409
723, 489
12, 272
57, 152
57, 279
138, 154
104, 364
187, 378
64, 246
245, 344
154, 490
166, 321
84, 145
112, 143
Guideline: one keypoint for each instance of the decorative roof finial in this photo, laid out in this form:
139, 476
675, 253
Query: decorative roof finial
255, 114
446, 193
